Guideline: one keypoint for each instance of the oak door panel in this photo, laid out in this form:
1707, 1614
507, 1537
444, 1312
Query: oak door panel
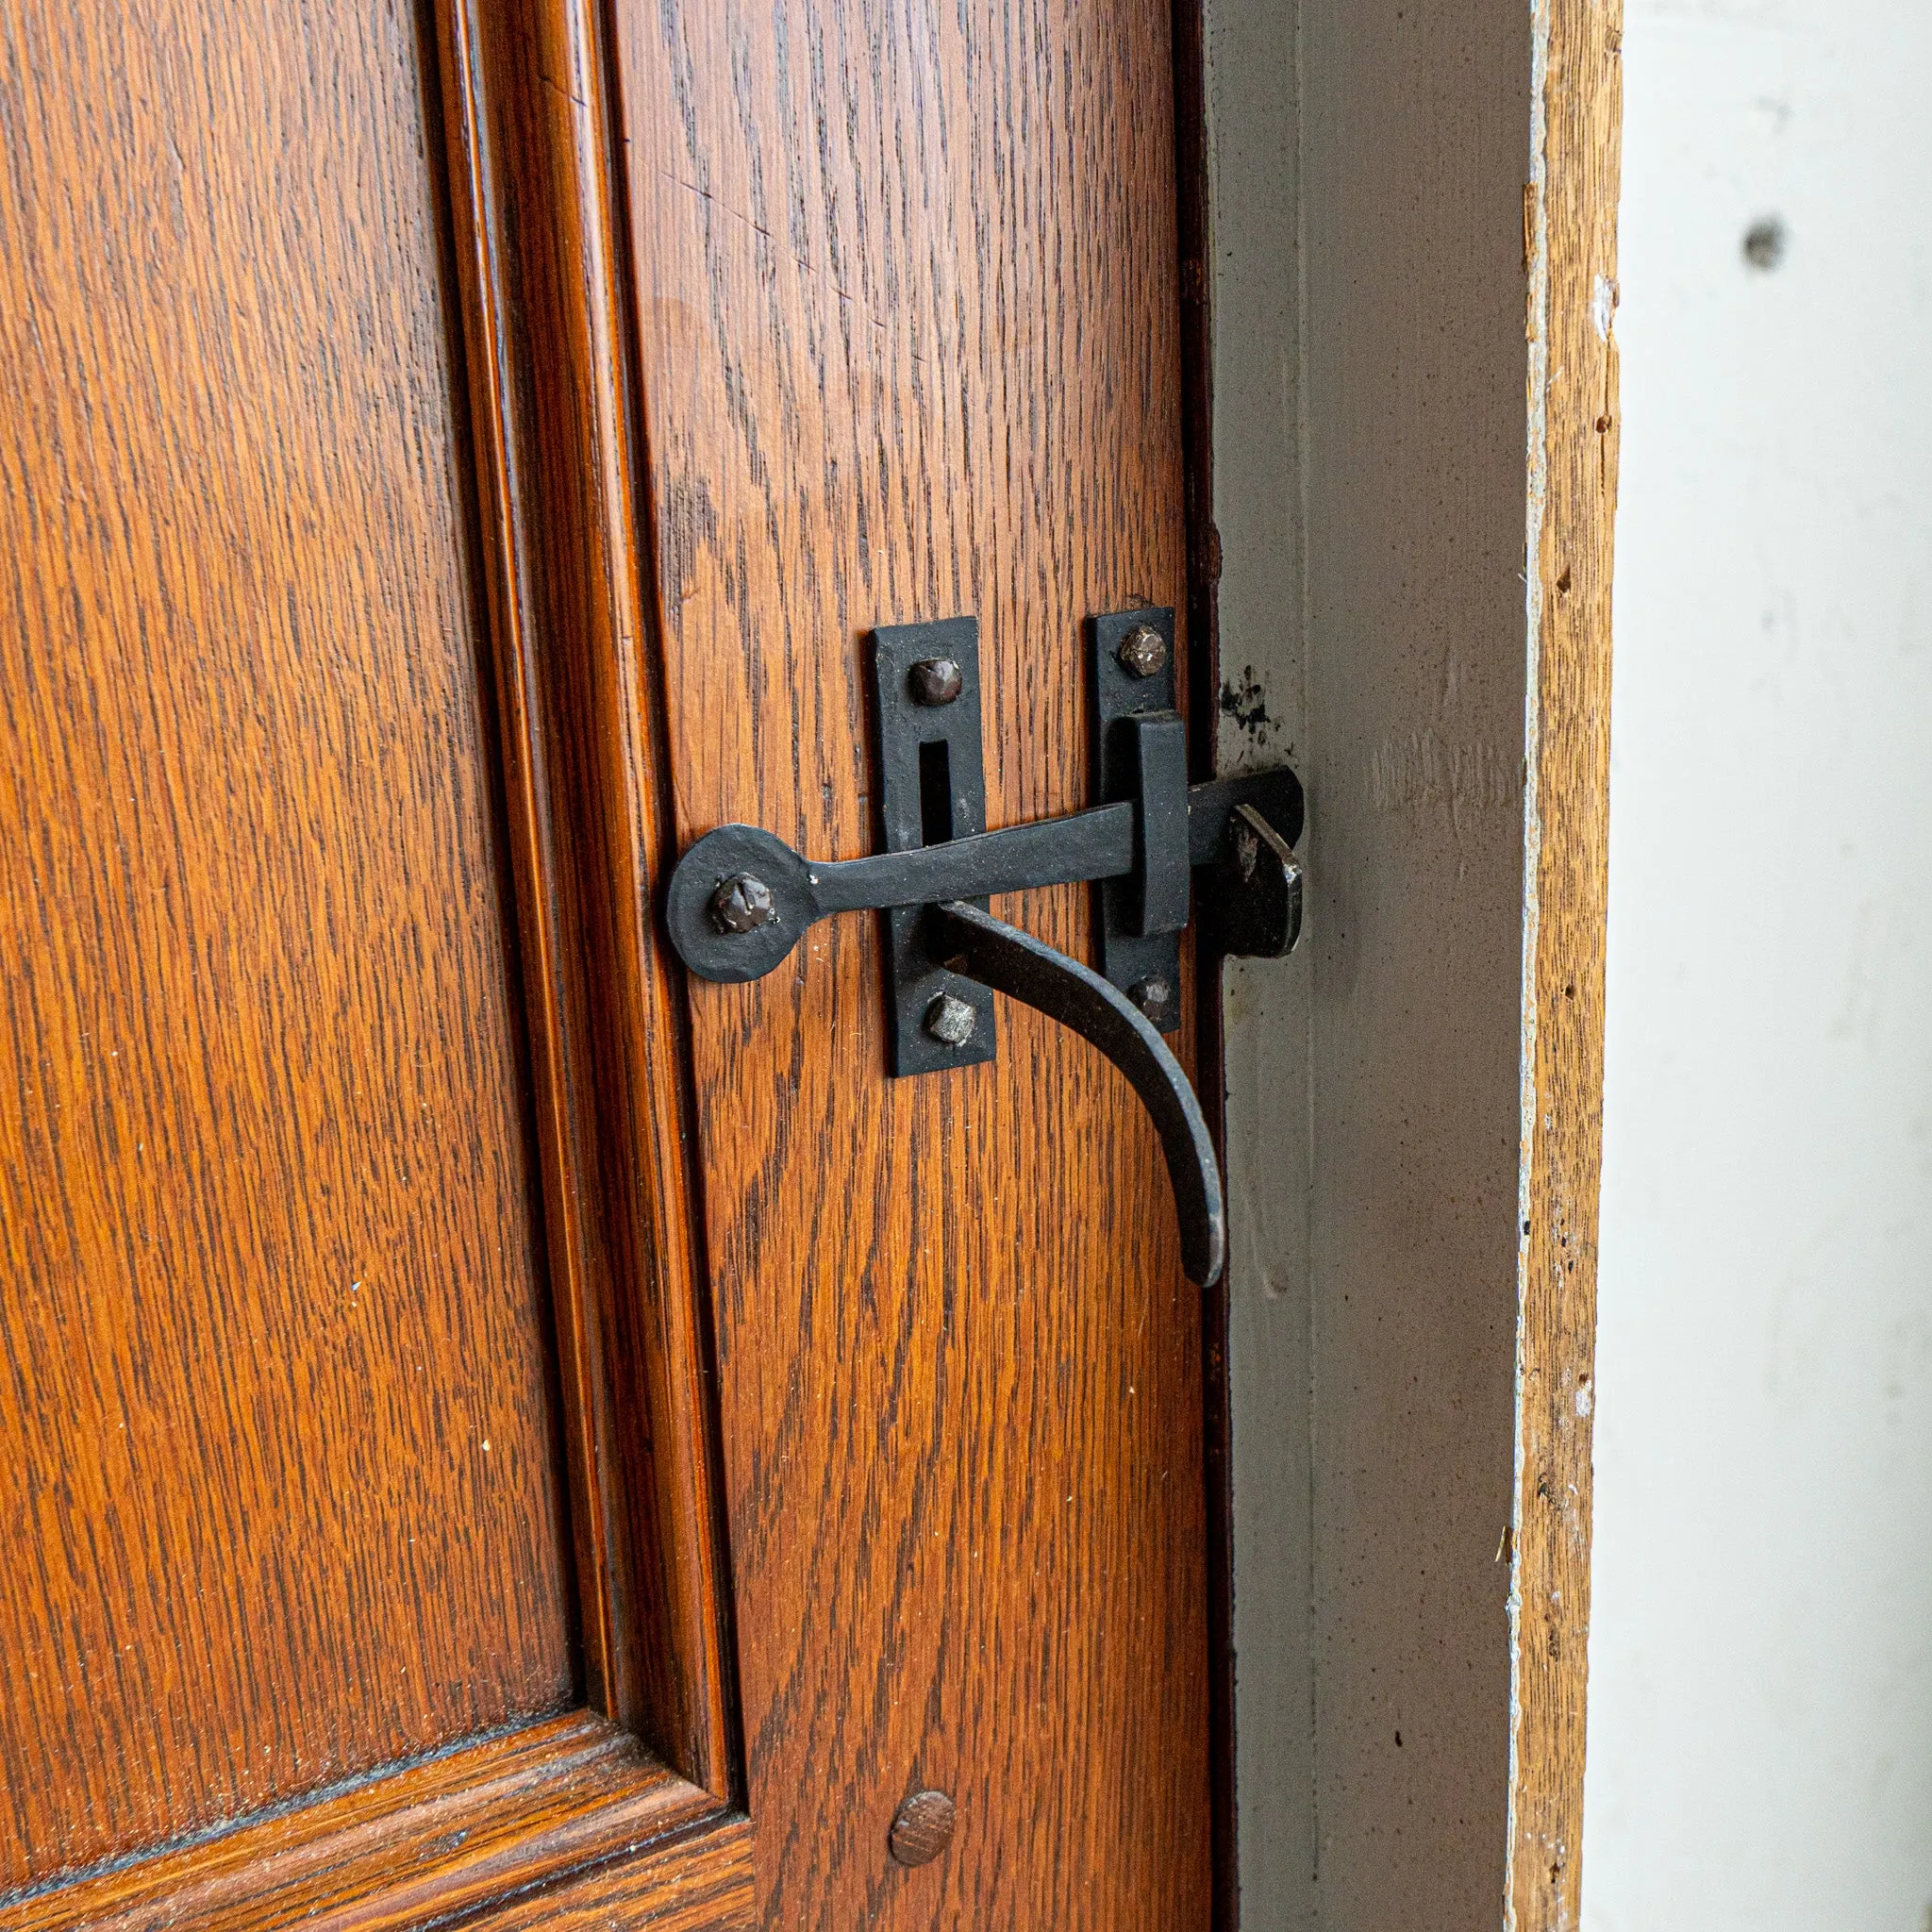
278, 1464
908, 345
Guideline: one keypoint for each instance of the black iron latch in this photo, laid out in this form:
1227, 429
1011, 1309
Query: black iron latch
741, 899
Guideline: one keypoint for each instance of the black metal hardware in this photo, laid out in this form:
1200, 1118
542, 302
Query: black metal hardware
1255, 908
739, 860
932, 793
1140, 754
741, 899
1015, 963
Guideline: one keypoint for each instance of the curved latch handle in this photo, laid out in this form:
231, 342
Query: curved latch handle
978, 946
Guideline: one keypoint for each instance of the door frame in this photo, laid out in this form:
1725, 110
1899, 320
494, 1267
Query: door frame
1341, 227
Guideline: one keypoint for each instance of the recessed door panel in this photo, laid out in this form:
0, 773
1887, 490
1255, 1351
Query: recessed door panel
280, 1476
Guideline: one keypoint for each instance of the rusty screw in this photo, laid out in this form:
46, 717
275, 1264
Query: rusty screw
1151, 995
1142, 652
936, 681
950, 1019
742, 903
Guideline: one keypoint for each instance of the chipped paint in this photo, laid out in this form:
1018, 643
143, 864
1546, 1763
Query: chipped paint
1603, 306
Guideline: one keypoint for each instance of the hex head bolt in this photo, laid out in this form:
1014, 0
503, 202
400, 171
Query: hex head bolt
950, 1019
936, 681
1142, 652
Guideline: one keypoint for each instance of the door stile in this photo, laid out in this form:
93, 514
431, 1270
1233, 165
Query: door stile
904, 325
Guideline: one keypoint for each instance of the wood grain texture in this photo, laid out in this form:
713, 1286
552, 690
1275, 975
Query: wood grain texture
1571, 231
246, 482
432, 1841
906, 325
279, 1481
699, 1881
537, 197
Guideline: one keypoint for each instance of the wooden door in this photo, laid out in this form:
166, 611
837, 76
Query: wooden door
490, 1431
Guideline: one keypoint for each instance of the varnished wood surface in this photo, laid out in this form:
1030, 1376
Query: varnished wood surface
251, 578
698, 1882
279, 1480
906, 325
1570, 237
430, 1842
538, 214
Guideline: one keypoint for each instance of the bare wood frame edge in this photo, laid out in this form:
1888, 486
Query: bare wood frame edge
1570, 242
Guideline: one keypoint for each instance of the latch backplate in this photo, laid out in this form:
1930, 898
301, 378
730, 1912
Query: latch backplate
932, 787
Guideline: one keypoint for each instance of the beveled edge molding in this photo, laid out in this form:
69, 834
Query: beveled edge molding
429, 1842
535, 205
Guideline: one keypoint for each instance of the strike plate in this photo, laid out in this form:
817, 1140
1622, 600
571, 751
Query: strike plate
1128, 957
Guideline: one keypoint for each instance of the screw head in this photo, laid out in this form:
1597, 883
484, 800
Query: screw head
922, 1827
936, 680
950, 1019
1151, 994
1142, 652
742, 903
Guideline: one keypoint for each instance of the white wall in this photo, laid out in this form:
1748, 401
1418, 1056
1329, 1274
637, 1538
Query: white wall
1761, 1701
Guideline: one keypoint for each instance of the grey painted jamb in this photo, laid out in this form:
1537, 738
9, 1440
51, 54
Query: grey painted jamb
1368, 163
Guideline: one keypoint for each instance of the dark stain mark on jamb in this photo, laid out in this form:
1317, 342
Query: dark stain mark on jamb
1246, 703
